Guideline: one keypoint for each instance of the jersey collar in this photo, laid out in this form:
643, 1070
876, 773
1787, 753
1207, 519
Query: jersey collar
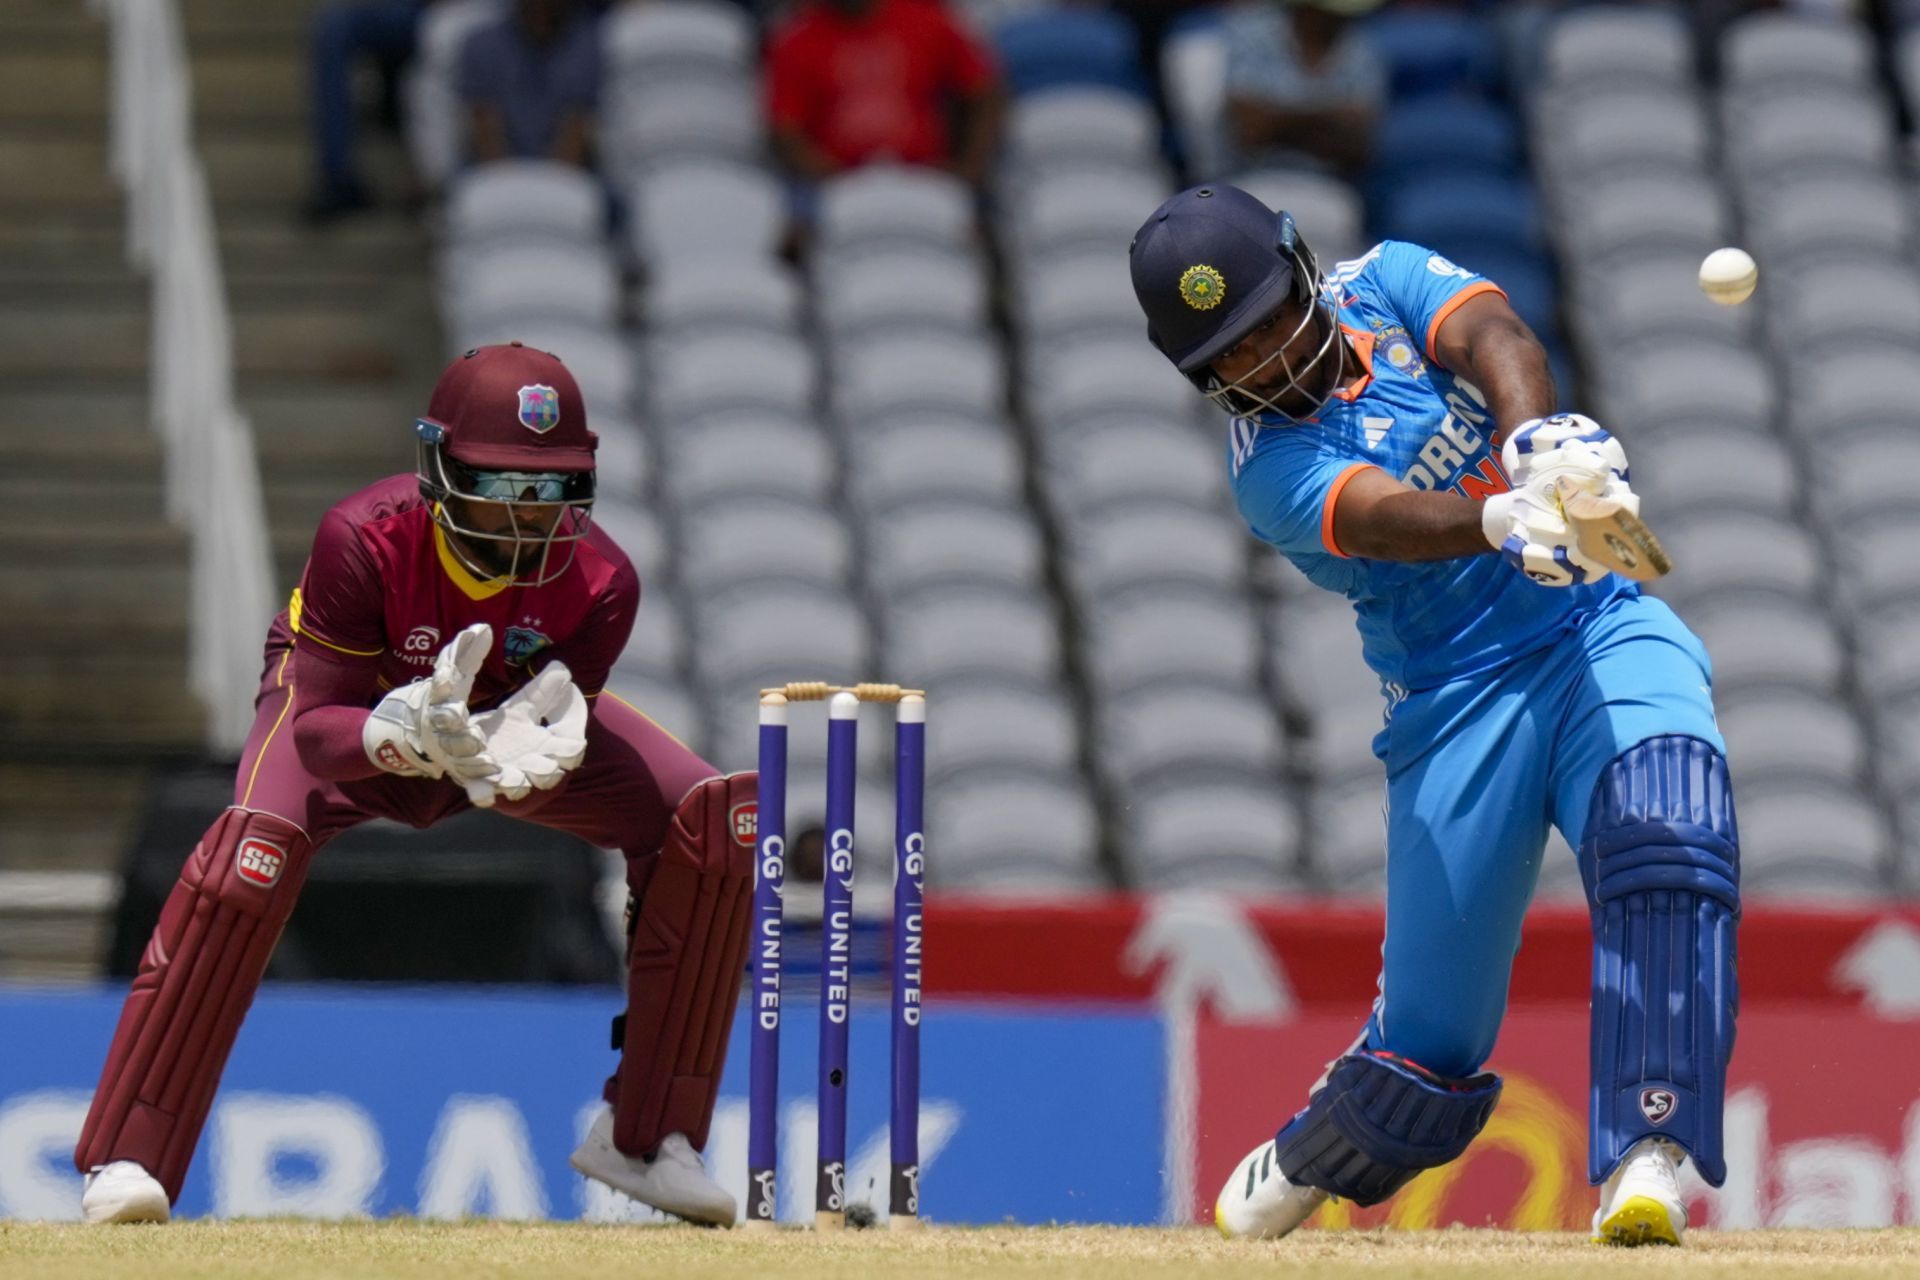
1362, 340
470, 586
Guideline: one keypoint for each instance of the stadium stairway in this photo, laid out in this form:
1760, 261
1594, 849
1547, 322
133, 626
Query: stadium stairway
92, 589
336, 337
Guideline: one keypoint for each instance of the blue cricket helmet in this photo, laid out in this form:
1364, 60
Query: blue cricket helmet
1209, 267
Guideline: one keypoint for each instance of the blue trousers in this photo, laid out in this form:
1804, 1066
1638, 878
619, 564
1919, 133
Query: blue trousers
1476, 769
343, 33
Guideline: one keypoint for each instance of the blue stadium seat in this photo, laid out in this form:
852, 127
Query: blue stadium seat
1428, 136
1526, 276
1429, 51
1061, 47
1464, 216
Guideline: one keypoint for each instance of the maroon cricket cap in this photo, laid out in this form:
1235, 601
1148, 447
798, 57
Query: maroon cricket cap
512, 408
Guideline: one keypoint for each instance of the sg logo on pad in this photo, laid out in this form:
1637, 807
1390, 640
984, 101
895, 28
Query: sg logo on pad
260, 862
1657, 1105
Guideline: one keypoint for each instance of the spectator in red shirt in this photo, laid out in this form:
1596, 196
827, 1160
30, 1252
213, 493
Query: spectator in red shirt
856, 82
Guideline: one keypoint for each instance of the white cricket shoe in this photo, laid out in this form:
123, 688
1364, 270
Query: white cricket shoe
1258, 1203
674, 1181
123, 1192
1640, 1203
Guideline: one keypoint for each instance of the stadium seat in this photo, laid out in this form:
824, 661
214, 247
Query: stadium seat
1804, 827
1655, 386
1434, 51
731, 541
920, 544
517, 197
882, 203
1713, 468
1655, 292
860, 292
677, 38
699, 211
596, 355
1854, 386
1075, 124
1630, 132
1171, 631
948, 632
1096, 208
623, 460
927, 456
715, 456
1316, 654
682, 298
1136, 458
1056, 49
1759, 640
1010, 819
1612, 44
1717, 550
1889, 649
500, 284
1221, 833
980, 723
1133, 542
933, 372
1349, 834
1420, 137
1824, 298
767, 633
1791, 737
1068, 297
1186, 725
1840, 132
1770, 50
1876, 554
1193, 77
1617, 221
719, 369
656, 124
662, 699
1817, 218
1459, 215
659, 640
1090, 381
1865, 477
638, 532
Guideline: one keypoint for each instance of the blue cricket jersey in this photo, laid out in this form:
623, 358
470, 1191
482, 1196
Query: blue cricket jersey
1420, 624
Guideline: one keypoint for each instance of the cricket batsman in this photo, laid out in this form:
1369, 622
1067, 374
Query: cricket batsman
448, 646
1393, 433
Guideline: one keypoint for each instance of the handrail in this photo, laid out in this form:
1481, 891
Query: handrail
212, 476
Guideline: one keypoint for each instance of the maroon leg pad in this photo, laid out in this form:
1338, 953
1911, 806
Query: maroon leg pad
684, 965
196, 982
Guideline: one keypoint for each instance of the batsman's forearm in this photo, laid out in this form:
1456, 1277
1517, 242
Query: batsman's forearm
1510, 367
1415, 526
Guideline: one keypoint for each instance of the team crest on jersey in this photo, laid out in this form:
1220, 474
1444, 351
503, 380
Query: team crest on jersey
522, 643
539, 408
1202, 287
1397, 349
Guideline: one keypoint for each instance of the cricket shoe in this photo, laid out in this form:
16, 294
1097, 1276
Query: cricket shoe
673, 1181
1640, 1203
123, 1192
1258, 1203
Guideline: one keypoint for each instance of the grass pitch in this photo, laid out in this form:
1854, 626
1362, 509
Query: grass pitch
408, 1250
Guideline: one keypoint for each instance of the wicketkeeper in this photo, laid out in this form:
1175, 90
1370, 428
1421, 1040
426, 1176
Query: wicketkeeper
1394, 434
448, 646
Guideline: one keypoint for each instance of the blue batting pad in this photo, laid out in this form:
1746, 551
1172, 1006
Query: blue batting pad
1377, 1122
1661, 860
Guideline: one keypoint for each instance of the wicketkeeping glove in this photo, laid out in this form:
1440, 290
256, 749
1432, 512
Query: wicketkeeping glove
422, 729
535, 737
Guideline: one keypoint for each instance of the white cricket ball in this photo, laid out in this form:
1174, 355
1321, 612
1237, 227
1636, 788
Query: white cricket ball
1728, 276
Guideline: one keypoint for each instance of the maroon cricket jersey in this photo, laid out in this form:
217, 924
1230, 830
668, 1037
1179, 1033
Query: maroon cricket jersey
381, 583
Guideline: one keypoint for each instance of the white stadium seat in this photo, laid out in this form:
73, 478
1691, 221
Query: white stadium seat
1222, 834
697, 211
933, 455
923, 543
1172, 631
1125, 544
949, 632
975, 724
881, 203
1081, 124
1188, 726
746, 453
507, 197
728, 542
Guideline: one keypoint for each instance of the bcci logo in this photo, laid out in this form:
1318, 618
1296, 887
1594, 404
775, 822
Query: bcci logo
259, 862
745, 819
539, 408
1202, 287
1658, 1105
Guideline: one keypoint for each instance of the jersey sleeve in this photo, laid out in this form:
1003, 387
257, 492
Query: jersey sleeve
340, 603
1287, 490
1422, 288
591, 651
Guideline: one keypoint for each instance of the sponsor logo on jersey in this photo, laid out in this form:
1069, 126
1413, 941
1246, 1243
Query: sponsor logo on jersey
1202, 287
1376, 429
522, 643
1450, 460
745, 820
539, 408
1658, 1105
421, 648
1441, 267
259, 862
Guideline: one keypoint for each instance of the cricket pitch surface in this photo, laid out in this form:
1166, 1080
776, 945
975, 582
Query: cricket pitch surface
410, 1250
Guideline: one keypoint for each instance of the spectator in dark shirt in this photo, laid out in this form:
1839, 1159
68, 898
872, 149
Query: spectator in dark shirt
531, 83
856, 82
344, 33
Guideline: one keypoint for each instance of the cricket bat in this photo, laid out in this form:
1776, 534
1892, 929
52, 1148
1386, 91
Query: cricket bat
1611, 531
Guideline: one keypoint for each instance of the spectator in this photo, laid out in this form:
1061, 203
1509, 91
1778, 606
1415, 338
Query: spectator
1303, 87
344, 33
856, 82
531, 82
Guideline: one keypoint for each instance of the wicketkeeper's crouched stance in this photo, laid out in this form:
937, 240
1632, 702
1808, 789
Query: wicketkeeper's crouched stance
1393, 426
447, 647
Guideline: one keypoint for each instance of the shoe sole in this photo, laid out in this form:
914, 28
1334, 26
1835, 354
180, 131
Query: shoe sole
1640, 1220
583, 1165
141, 1210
